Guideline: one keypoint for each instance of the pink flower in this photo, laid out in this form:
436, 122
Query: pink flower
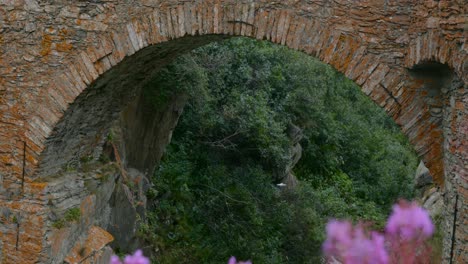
352, 246
115, 260
136, 258
365, 250
339, 237
233, 260
410, 221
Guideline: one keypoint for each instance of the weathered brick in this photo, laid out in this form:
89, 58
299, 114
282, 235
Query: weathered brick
153, 30
305, 42
170, 34
59, 98
217, 17
210, 16
344, 52
292, 32
175, 22
375, 78
75, 78
237, 19
89, 67
68, 82
245, 16
120, 50
261, 23
272, 19
225, 20
300, 31
181, 20
199, 17
328, 49
188, 18
159, 19
279, 28
320, 35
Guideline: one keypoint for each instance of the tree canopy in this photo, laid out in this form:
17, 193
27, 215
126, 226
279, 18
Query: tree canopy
215, 192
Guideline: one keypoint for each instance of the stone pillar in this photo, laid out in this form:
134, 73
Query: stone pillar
456, 174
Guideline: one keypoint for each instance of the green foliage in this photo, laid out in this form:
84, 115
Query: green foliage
86, 158
70, 215
437, 239
214, 194
59, 224
185, 76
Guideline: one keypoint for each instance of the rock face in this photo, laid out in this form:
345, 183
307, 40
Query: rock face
423, 177
139, 123
285, 175
69, 69
107, 194
430, 195
141, 135
148, 130
433, 202
93, 250
78, 236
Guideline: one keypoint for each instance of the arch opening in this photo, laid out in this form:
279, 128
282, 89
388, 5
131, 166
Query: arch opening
218, 142
110, 109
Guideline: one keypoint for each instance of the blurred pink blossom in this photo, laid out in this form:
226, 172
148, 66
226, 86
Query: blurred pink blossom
339, 237
115, 260
405, 241
365, 249
233, 260
136, 258
352, 245
410, 221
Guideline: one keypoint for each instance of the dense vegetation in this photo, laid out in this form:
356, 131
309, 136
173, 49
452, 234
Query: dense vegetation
215, 193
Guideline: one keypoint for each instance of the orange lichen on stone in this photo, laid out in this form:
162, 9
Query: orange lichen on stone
88, 208
30, 239
436, 132
57, 238
64, 46
32, 208
46, 44
38, 186
33, 228
97, 239
436, 166
6, 159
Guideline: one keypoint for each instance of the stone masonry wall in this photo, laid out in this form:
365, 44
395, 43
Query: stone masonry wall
68, 68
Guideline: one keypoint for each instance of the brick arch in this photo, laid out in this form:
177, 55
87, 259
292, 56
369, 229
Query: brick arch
374, 43
346, 53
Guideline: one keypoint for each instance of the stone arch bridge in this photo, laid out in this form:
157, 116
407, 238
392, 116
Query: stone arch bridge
70, 71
